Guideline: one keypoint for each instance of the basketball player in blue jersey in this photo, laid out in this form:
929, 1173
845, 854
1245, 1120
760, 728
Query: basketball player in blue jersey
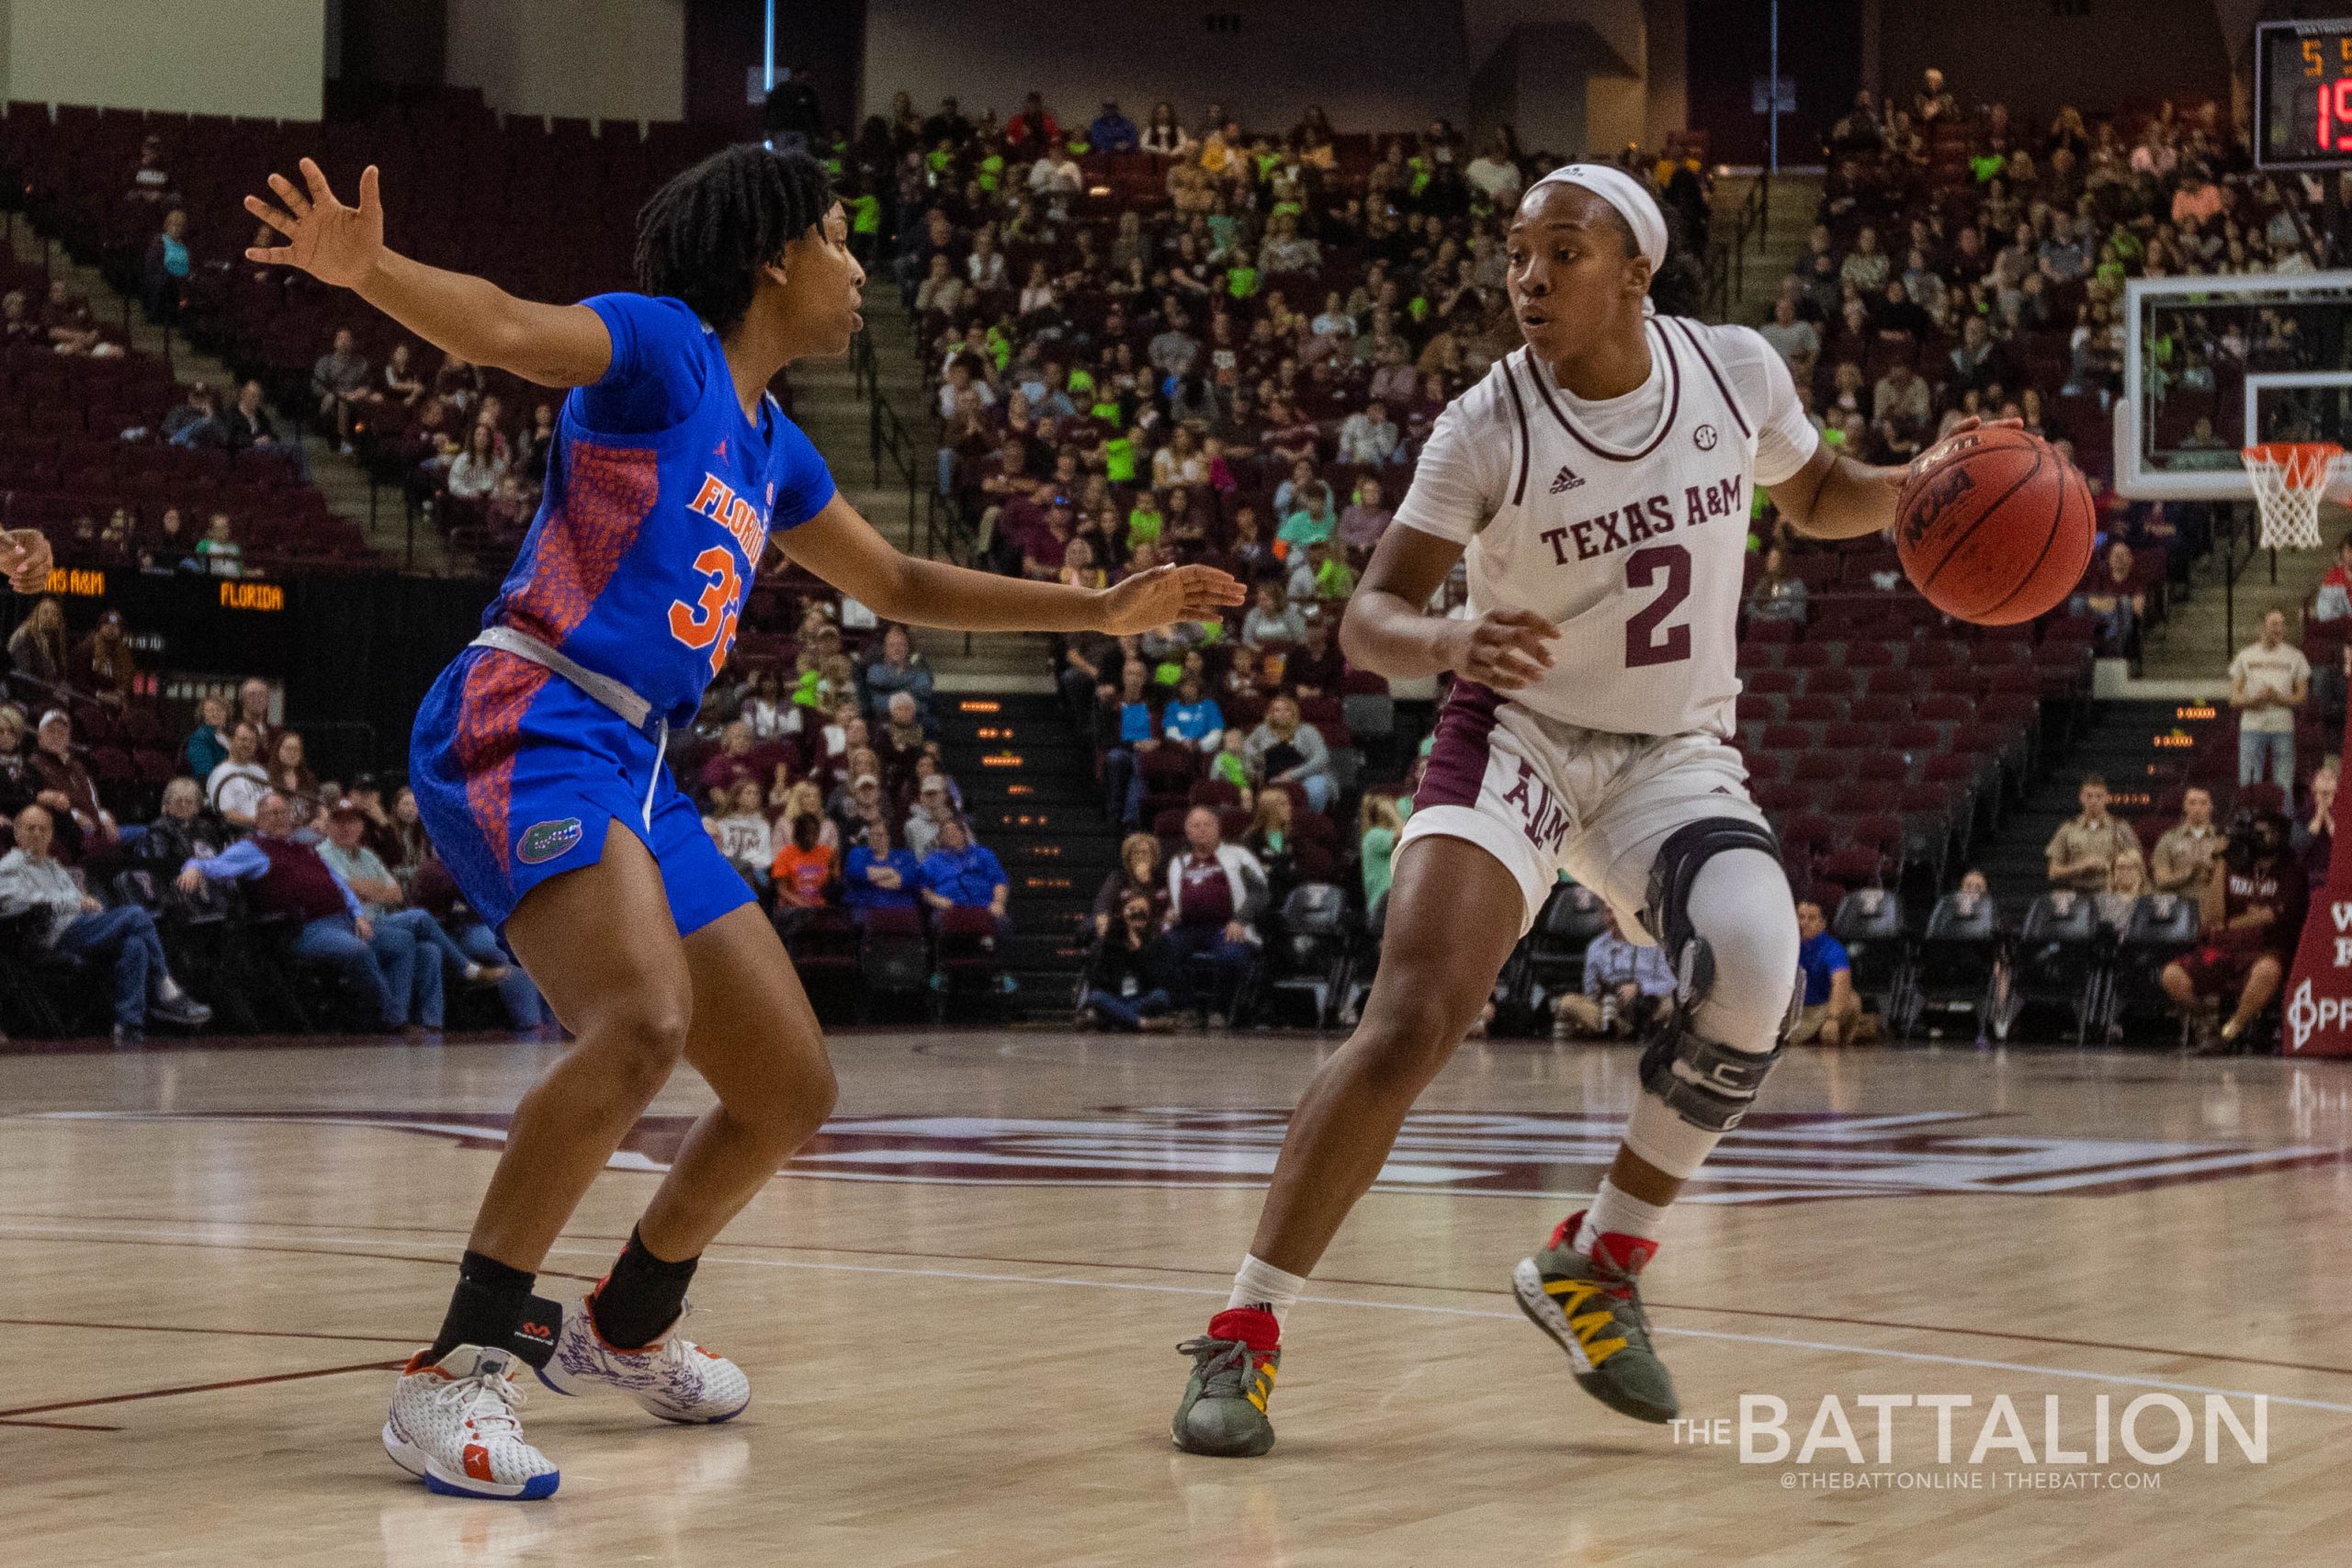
537, 759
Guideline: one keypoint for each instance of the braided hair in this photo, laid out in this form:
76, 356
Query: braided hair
705, 235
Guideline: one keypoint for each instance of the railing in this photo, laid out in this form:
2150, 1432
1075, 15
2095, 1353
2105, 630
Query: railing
1728, 258
913, 459
887, 437
863, 377
2239, 539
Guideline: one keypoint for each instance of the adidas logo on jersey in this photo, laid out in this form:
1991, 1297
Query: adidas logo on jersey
1567, 480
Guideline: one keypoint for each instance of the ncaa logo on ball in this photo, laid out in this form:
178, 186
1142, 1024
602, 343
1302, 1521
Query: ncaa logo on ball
1705, 437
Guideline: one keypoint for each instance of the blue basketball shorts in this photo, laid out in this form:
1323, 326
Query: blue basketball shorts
520, 776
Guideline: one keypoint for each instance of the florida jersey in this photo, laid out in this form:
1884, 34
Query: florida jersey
659, 498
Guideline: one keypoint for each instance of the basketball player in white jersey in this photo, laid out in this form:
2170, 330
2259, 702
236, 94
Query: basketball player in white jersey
1598, 480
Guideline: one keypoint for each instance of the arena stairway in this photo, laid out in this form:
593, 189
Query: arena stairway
2195, 641
1774, 249
2145, 751
1028, 775
339, 479
836, 414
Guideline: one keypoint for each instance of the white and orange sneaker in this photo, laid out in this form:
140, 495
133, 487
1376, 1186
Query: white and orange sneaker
454, 1425
672, 1377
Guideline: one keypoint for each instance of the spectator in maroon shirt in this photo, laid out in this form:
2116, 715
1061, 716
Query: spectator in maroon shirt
1042, 551
1317, 669
252, 707
1216, 891
1364, 520
2114, 591
66, 785
728, 766
1290, 435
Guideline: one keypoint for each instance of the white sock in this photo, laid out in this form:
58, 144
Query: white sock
1261, 1284
1613, 1211
168, 989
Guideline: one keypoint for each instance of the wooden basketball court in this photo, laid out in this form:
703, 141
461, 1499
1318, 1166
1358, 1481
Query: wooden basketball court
959, 1314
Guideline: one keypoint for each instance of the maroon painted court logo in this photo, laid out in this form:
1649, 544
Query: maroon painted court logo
1771, 1157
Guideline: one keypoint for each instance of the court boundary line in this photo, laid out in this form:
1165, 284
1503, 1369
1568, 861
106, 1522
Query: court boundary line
201, 1388
974, 1277
181, 1329
1892, 1325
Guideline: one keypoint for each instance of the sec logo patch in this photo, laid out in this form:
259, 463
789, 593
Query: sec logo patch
1705, 437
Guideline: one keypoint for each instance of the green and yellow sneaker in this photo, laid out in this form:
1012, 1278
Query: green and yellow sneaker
1592, 1307
1224, 1411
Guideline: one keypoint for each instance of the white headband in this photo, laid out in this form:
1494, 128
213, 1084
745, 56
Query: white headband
1622, 192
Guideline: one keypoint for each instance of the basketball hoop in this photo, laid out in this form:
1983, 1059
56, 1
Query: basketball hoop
2289, 478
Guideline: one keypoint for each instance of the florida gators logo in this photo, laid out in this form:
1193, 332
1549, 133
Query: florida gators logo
543, 841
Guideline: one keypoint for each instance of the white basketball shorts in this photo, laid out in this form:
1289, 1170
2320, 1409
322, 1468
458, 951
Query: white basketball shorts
1543, 798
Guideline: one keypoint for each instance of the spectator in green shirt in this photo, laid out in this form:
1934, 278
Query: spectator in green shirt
1241, 279
1379, 821
1314, 521
1145, 523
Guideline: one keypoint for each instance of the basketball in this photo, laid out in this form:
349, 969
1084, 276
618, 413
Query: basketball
1994, 527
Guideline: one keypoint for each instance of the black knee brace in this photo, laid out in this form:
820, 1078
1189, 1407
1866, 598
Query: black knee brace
1707, 1083
1666, 912
1703, 1081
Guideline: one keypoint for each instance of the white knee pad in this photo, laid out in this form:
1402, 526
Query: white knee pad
1740, 906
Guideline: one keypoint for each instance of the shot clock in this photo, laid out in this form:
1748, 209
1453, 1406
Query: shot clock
2303, 94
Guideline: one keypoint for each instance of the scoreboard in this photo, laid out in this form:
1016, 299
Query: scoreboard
2302, 90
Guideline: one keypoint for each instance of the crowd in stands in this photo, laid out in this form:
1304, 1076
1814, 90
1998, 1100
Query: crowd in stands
214, 877
103, 449
154, 201
823, 785
1192, 342
1180, 340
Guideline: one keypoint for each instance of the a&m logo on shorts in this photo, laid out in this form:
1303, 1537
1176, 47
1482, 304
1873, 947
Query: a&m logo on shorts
543, 841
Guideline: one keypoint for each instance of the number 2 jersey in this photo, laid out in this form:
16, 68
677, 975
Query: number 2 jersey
1624, 522
659, 498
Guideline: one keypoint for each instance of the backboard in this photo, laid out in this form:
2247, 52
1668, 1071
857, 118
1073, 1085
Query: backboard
2211, 365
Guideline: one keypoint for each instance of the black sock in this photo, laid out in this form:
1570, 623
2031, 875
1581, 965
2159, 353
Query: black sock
493, 1307
640, 1297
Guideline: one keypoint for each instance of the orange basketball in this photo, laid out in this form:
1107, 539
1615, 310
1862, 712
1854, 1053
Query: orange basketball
1994, 527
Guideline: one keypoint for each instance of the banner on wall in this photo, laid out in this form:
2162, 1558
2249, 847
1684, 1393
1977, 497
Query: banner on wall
2317, 1019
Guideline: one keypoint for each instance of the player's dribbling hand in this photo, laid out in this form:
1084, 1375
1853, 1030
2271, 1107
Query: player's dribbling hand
1505, 649
25, 556
1934, 450
333, 243
1167, 593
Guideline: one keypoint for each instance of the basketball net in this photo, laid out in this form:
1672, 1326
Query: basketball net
2289, 478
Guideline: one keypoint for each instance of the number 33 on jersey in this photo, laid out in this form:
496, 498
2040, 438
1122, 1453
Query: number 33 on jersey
709, 621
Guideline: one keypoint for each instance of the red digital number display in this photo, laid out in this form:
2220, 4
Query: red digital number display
2333, 133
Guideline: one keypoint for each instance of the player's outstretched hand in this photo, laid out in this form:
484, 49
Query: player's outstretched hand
25, 556
333, 243
1505, 649
1167, 593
